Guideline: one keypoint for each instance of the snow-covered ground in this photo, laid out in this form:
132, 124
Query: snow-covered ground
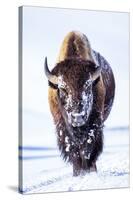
45, 171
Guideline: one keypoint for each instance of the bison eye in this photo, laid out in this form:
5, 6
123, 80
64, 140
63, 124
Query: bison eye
63, 92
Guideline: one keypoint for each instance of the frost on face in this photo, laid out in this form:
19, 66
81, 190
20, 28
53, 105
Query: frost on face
88, 83
61, 83
69, 101
87, 101
87, 90
84, 97
87, 97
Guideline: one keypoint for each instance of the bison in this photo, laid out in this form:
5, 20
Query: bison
81, 94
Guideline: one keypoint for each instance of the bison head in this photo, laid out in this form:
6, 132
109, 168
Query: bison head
74, 79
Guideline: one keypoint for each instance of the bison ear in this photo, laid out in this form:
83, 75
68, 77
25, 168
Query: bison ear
96, 74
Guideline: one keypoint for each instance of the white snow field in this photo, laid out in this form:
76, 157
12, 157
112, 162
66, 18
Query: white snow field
45, 171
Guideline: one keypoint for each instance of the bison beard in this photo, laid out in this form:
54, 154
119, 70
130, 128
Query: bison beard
82, 146
81, 143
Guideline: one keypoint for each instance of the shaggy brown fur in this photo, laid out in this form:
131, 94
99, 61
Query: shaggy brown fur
75, 63
76, 45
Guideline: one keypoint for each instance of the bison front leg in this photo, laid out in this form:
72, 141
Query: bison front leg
76, 167
97, 147
88, 166
77, 163
93, 167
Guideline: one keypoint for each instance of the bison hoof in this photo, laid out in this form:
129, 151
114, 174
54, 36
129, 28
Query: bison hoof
76, 173
93, 168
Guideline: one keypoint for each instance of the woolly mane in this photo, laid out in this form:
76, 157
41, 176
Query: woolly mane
75, 44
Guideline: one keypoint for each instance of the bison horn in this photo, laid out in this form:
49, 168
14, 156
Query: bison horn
52, 78
96, 74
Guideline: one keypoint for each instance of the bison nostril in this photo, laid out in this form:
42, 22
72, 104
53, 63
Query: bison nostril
83, 116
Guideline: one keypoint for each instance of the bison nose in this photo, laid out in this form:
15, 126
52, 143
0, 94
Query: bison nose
77, 117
